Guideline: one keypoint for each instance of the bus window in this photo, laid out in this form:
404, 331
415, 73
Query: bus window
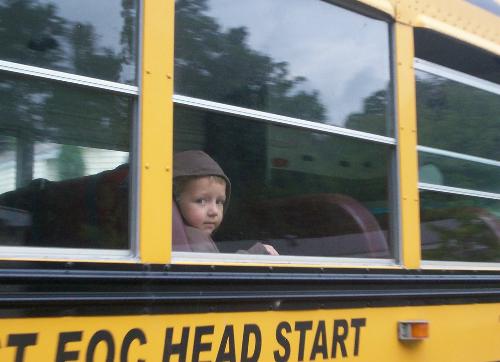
459, 228
458, 132
281, 62
98, 42
65, 140
267, 99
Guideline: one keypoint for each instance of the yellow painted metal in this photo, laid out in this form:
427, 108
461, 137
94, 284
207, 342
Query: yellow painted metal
455, 18
156, 131
406, 126
386, 6
456, 333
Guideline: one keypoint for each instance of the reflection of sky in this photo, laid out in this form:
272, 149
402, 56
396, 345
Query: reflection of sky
343, 55
107, 21
104, 16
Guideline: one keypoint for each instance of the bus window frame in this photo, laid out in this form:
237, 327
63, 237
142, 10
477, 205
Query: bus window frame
393, 179
131, 254
477, 83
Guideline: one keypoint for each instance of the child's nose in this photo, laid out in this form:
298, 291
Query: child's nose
213, 209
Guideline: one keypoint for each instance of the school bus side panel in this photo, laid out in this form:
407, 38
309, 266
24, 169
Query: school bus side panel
365, 334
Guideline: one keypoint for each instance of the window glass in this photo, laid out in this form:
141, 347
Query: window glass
93, 38
304, 59
455, 172
303, 192
457, 117
459, 228
64, 153
459, 137
455, 54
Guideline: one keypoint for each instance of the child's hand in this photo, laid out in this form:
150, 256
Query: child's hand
266, 249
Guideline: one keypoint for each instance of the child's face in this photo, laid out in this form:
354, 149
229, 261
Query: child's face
202, 203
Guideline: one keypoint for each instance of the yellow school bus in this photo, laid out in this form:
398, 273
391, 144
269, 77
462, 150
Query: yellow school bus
362, 142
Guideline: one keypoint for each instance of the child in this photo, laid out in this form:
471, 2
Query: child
202, 192
201, 189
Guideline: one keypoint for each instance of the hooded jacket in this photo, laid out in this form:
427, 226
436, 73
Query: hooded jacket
196, 163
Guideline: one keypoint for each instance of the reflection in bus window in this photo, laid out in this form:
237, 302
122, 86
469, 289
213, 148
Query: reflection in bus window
281, 62
459, 228
62, 152
303, 192
300, 190
98, 42
458, 102
444, 105
456, 172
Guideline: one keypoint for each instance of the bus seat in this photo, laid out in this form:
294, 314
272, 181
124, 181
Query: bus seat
333, 220
89, 211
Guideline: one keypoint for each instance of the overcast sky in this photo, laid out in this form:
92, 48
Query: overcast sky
345, 56
103, 15
490, 5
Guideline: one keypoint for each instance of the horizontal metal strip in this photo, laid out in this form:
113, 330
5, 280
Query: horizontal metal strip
460, 265
461, 156
235, 296
458, 191
141, 291
68, 78
278, 119
190, 257
139, 274
26, 252
455, 75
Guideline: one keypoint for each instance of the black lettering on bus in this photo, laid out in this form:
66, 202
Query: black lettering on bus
98, 337
357, 323
283, 342
21, 341
171, 348
320, 343
302, 327
251, 330
198, 345
64, 338
227, 349
132, 335
339, 337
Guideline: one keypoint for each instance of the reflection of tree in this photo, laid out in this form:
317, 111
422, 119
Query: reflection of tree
31, 31
86, 211
461, 234
374, 118
458, 118
34, 33
219, 65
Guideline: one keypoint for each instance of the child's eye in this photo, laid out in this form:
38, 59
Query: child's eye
201, 201
221, 202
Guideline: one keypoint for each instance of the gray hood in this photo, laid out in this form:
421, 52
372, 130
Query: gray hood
198, 163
